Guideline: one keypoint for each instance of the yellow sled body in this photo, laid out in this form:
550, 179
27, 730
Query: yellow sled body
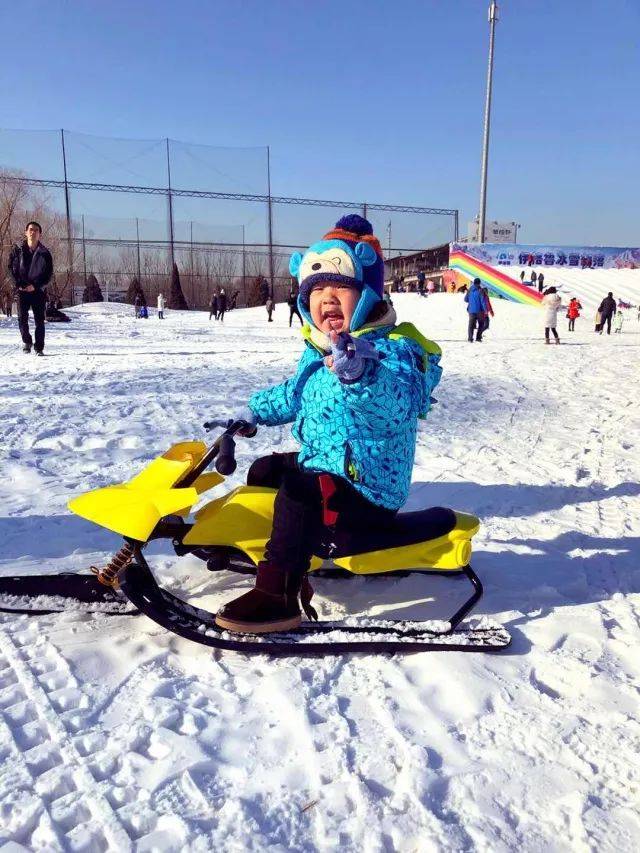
242, 518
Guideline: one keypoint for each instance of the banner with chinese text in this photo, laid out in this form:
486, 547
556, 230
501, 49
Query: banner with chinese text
580, 257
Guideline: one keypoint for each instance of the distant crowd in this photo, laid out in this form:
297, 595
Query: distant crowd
31, 269
610, 313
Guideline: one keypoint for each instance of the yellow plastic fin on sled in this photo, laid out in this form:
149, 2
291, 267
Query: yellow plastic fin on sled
134, 508
447, 553
130, 510
167, 469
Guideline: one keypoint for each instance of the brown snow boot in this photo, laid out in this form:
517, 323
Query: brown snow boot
272, 605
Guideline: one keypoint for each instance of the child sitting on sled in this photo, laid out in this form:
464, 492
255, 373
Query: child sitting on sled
361, 385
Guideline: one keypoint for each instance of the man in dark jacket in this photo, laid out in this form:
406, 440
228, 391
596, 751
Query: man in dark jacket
31, 268
607, 309
292, 302
222, 304
540, 282
476, 308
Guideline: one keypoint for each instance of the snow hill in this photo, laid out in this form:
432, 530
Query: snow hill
116, 736
590, 286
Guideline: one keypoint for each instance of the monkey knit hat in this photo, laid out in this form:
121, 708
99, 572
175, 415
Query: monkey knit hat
350, 255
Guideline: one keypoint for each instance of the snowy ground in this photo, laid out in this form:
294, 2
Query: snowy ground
115, 735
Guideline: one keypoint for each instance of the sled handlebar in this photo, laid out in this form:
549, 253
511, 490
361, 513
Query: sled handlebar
222, 450
226, 460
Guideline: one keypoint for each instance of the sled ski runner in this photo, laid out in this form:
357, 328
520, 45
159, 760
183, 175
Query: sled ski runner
38, 595
312, 639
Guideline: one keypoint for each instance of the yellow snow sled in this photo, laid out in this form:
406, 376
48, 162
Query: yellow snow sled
230, 532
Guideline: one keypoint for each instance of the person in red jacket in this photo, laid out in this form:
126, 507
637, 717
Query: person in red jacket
488, 309
573, 312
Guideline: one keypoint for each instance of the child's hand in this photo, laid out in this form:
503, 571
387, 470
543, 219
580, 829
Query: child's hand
348, 354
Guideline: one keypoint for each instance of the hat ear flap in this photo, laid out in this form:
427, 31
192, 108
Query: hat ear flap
366, 254
294, 264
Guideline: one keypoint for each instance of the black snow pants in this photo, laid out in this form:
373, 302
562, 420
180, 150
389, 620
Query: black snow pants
36, 301
473, 320
299, 510
293, 312
606, 318
552, 329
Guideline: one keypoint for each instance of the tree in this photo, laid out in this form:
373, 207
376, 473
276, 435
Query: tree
92, 292
176, 296
135, 289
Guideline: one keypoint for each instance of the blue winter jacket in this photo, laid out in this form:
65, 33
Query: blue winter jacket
475, 300
365, 431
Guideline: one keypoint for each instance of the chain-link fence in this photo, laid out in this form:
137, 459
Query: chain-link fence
120, 209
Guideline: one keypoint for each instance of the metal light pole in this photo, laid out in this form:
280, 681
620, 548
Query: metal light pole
493, 17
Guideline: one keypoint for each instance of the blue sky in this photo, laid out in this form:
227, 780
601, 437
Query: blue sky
380, 101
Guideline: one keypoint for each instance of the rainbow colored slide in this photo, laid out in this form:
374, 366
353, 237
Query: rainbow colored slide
497, 281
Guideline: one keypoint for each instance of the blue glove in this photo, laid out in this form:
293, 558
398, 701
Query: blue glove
350, 355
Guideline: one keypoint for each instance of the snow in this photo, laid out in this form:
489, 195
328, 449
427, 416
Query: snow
115, 735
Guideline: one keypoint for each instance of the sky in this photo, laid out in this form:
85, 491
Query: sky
379, 102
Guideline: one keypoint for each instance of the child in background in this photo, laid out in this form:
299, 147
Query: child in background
361, 385
618, 321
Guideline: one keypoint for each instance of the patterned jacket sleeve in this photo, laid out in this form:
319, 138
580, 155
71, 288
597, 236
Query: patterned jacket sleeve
281, 403
400, 384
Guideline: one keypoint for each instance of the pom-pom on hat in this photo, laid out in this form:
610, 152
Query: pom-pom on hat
350, 255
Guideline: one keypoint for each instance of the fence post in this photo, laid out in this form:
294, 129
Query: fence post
244, 269
68, 209
191, 262
170, 205
271, 270
84, 253
455, 227
138, 251
364, 210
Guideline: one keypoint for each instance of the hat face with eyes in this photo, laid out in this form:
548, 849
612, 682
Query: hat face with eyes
348, 255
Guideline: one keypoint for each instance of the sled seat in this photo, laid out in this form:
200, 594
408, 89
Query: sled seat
437, 538
406, 528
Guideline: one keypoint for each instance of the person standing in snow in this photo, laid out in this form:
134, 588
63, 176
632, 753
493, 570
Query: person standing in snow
522, 276
160, 307
618, 321
540, 282
270, 308
222, 304
31, 268
213, 307
534, 278
551, 304
292, 302
475, 309
573, 312
488, 309
606, 310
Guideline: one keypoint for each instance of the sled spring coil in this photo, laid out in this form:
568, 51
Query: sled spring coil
108, 575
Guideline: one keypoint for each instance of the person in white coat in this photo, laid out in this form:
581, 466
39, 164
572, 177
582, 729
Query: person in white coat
160, 307
551, 304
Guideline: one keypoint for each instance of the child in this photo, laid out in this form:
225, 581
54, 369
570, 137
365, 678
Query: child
573, 312
618, 320
359, 389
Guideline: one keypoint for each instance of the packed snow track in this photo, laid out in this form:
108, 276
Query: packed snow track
116, 735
